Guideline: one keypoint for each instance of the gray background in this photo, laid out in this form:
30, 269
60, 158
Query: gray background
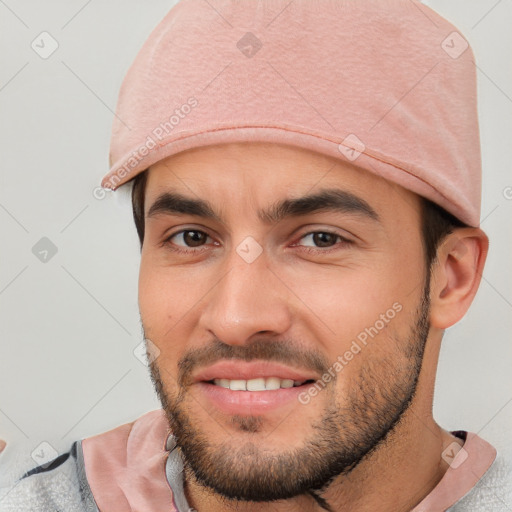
69, 325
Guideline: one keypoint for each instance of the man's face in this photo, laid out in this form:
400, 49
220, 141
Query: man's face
266, 287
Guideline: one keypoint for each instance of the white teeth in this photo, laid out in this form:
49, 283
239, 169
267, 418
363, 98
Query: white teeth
238, 385
259, 384
256, 385
272, 383
223, 383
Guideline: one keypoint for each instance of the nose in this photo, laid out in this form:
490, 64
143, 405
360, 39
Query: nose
248, 300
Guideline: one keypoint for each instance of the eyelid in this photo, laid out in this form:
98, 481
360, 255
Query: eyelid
341, 243
343, 235
166, 242
177, 229
336, 235
182, 231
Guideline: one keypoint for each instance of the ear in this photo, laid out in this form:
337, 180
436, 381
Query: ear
456, 275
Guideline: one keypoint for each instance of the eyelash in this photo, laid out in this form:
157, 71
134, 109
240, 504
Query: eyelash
316, 250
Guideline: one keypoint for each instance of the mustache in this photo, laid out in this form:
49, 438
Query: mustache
267, 350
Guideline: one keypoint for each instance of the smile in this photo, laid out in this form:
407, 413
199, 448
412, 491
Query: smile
259, 384
251, 387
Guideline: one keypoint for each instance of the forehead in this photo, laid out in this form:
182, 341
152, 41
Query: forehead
264, 172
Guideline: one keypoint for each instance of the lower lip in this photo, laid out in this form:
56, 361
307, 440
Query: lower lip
250, 402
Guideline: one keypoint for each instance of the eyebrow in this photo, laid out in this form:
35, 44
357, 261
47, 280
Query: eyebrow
326, 200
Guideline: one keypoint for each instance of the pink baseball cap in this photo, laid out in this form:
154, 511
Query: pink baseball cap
388, 85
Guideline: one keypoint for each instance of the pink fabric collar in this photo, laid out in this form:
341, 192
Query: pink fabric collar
125, 467
466, 468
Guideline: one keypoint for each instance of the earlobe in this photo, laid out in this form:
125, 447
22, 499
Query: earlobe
456, 275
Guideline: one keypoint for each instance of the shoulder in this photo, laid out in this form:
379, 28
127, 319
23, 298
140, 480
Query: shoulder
57, 485
102, 466
494, 489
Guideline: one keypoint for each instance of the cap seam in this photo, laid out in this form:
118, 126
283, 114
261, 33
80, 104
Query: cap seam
369, 153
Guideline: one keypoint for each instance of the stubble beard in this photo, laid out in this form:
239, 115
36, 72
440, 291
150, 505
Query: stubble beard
338, 441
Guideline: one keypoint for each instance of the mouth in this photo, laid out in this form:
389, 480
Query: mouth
256, 375
259, 384
251, 388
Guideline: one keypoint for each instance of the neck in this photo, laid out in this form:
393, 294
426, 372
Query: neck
395, 477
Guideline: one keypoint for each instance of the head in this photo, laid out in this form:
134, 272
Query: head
271, 265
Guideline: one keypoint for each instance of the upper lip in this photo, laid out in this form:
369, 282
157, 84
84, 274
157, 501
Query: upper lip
232, 369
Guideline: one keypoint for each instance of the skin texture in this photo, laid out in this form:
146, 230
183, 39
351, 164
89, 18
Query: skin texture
368, 440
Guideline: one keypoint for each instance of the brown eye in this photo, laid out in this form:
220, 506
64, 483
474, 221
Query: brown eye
321, 239
324, 239
194, 238
189, 238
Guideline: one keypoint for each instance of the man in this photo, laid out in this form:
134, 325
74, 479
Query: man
306, 189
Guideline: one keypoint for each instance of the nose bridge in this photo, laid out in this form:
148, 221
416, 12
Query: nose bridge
246, 300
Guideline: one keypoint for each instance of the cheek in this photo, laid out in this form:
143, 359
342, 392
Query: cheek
161, 306
162, 299
350, 309
170, 300
346, 300
152, 298
374, 358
